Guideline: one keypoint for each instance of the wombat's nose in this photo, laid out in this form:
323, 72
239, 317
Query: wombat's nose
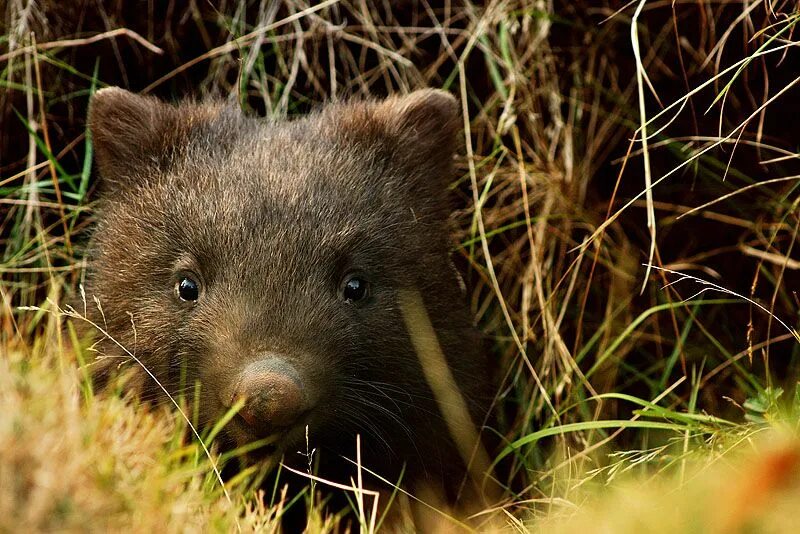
272, 392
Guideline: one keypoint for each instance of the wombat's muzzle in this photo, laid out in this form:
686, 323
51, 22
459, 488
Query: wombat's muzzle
273, 394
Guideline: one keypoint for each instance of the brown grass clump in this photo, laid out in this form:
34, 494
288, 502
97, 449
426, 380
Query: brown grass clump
75, 462
753, 486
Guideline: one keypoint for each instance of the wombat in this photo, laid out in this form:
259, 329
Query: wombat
299, 268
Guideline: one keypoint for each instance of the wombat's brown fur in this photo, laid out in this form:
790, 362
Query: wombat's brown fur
267, 261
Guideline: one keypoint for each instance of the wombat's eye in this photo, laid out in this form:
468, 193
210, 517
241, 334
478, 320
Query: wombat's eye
188, 290
355, 289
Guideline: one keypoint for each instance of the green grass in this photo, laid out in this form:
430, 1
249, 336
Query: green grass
616, 389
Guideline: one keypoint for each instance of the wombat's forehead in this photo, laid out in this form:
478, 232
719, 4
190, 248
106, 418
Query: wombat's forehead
295, 176
261, 204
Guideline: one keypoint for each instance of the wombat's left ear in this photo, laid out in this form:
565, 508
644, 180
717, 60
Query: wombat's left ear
426, 113
416, 132
425, 125
135, 136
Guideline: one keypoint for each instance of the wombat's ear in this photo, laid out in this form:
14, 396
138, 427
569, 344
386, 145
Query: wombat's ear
135, 135
424, 123
416, 132
426, 113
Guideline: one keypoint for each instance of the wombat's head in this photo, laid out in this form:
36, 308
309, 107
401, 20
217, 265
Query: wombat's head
263, 260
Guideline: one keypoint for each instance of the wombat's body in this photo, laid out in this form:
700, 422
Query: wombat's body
268, 262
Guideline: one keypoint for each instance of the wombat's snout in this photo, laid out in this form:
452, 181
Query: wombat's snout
273, 394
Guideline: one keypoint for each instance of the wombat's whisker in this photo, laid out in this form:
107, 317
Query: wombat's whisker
360, 401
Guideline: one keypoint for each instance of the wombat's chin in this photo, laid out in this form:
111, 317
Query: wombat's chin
264, 443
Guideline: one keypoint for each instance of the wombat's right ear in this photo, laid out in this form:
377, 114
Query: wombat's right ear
134, 135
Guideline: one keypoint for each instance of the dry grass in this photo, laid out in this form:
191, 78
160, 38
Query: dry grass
75, 462
601, 138
750, 484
